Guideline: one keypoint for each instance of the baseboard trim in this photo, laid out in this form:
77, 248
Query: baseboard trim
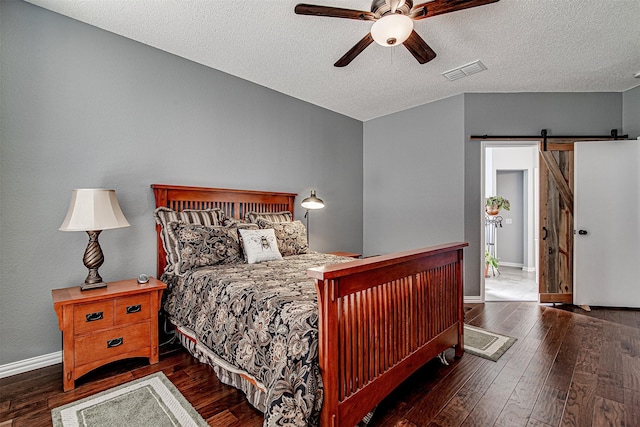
512, 264
474, 299
30, 364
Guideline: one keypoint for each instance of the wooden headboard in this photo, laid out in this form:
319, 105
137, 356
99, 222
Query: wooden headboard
235, 204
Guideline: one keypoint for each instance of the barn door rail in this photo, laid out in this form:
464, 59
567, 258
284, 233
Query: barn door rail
544, 136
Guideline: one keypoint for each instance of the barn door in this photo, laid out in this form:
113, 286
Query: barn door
555, 277
607, 219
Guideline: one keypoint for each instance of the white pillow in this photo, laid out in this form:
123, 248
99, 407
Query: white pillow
260, 245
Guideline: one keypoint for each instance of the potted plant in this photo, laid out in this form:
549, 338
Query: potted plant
493, 205
489, 261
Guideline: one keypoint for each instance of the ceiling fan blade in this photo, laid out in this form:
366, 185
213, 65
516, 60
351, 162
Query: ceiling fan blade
354, 51
419, 48
439, 7
334, 12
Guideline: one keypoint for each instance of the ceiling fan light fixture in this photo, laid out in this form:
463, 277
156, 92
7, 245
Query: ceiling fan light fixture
391, 30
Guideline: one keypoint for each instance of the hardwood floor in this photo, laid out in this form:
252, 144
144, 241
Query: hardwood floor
568, 368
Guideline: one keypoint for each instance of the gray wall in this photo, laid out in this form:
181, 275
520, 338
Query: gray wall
414, 178
82, 107
522, 114
510, 242
631, 112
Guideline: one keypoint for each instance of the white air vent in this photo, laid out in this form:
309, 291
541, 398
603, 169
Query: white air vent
465, 70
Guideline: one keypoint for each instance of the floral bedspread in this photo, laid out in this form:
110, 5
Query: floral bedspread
263, 319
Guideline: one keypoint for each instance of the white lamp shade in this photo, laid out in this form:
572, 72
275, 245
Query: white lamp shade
312, 202
391, 30
93, 210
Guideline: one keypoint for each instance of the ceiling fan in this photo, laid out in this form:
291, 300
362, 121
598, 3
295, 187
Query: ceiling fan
393, 23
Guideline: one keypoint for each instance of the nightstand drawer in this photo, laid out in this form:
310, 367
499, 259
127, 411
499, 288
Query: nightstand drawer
132, 309
92, 316
107, 344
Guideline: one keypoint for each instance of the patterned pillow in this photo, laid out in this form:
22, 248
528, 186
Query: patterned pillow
164, 216
260, 245
291, 236
284, 216
200, 246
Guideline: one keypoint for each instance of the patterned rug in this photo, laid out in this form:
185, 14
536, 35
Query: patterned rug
483, 343
150, 401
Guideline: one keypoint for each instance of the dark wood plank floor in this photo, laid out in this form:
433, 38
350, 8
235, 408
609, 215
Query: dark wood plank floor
567, 368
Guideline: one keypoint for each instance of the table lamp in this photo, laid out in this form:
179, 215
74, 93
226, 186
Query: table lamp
93, 210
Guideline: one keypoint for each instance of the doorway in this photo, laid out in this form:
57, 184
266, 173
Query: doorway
510, 170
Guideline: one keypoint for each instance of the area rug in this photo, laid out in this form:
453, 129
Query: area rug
483, 343
149, 401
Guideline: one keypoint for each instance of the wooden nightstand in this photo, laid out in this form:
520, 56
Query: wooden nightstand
346, 254
103, 325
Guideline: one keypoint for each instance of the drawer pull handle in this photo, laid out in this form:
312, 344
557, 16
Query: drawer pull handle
92, 317
115, 342
134, 309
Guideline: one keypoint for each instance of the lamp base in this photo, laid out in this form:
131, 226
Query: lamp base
93, 259
88, 286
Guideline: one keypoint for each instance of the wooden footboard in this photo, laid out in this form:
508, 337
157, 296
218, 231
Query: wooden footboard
382, 318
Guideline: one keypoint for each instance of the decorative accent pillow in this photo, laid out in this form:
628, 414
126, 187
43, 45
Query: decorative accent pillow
260, 245
200, 246
284, 216
164, 216
291, 236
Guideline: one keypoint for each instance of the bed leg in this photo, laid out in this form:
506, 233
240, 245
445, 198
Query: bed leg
459, 351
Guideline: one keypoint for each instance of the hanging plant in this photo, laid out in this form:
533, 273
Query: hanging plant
493, 205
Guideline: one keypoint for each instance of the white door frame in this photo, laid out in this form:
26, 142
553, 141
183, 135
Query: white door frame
483, 152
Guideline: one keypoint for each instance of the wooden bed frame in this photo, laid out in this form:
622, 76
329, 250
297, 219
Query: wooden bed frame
380, 318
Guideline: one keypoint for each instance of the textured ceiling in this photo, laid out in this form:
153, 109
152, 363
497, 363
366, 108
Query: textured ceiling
527, 46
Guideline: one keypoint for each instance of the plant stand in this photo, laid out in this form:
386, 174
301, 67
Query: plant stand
491, 224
